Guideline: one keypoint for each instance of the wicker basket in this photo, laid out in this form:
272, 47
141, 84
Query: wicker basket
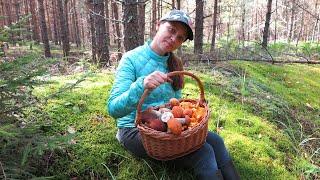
166, 146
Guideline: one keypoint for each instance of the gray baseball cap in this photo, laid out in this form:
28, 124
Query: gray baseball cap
180, 16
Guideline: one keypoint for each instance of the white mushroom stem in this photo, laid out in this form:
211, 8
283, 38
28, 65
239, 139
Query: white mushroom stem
184, 121
181, 120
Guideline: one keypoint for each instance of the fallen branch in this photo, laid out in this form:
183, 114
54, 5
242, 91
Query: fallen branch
4, 174
280, 61
259, 60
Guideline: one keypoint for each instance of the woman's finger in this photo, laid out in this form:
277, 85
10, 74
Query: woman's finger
154, 79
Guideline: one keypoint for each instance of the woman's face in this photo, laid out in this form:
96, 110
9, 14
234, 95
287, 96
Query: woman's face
169, 37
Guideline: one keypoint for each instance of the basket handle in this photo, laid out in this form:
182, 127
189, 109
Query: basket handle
170, 74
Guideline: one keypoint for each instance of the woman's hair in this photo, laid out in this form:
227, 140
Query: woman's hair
175, 64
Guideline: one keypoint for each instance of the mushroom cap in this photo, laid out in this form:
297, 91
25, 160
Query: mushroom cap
177, 111
174, 102
175, 126
156, 124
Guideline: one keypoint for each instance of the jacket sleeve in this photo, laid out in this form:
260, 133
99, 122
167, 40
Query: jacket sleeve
126, 90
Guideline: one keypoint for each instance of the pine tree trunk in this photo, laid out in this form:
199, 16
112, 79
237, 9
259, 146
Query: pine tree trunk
275, 22
17, 10
64, 35
301, 28
91, 20
107, 21
117, 28
47, 10
243, 19
35, 30
198, 40
66, 24
8, 13
153, 21
43, 27
55, 28
256, 25
291, 21
27, 12
314, 29
113, 25
72, 25
75, 24
159, 7
178, 4
267, 25
2, 20
82, 36
214, 26
16, 18
130, 22
141, 20
78, 39
102, 48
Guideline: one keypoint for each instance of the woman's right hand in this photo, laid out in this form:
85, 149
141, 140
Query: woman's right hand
154, 79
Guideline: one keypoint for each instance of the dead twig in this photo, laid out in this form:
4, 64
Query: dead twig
4, 174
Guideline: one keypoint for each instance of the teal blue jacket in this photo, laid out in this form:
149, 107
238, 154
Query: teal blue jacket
128, 87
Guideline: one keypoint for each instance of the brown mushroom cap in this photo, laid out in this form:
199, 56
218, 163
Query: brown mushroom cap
156, 124
175, 126
187, 112
174, 102
177, 111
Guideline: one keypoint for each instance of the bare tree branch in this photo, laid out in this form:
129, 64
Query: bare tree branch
316, 16
4, 174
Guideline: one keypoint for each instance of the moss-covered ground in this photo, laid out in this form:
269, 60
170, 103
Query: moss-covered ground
268, 115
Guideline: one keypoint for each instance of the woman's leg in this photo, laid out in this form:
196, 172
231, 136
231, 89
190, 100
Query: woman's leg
130, 138
202, 161
219, 148
224, 161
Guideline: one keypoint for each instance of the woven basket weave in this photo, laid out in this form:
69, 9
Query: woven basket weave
166, 146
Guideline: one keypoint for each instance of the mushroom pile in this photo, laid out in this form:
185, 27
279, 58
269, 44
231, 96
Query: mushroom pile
174, 117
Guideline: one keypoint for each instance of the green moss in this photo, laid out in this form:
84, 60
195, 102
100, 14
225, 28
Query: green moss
246, 105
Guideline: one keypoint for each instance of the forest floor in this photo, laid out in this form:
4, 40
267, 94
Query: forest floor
268, 115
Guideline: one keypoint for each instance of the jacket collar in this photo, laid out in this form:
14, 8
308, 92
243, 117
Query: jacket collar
154, 55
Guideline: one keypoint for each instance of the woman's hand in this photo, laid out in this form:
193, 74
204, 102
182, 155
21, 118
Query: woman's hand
154, 79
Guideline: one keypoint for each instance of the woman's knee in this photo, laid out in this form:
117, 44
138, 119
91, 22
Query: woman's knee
221, 152
206, 149
205, 157
131, 140
215, 140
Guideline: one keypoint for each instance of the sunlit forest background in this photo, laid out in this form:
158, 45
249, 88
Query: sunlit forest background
258, 59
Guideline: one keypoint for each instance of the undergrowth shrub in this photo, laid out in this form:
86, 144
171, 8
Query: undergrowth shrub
309, 48
23, 122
